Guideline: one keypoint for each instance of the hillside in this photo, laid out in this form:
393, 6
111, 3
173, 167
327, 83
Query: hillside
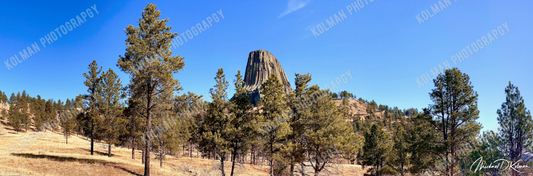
358, 108
49, 155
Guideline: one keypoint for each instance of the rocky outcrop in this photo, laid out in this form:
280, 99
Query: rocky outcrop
260, 65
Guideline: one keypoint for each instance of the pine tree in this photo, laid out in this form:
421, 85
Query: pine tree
167, 136
186, 106
4, 114
149, 62
108, 98
3, 97
218, 119
37, 109
335, 95
15, 117
399, 156
516, 126
134, 125
488, 150
328, 134
80, 121
92, 83
293, 150
275, 113
455, 113
49, 114
422, 139
375, 150
243, 126
23, 104
67, 120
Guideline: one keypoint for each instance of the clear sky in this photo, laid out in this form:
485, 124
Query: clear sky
384, 45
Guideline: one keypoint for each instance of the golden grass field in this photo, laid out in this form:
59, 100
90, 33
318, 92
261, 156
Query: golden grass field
49, 155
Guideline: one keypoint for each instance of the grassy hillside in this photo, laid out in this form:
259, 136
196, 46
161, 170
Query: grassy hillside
50, 155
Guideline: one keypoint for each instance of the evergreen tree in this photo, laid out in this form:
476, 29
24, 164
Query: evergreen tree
455, 113
3, 97
37, 109
375, 150
487, 150
327, 133
335, 95
109, 104
187, 105
293, 150
422, 139
23, 104
218, 119
93, 84
134, 125
516, 126
345, 94
4, 114
50, 114
149, 62
399, 156
243, 126
167, 136
15, 116
67, 120
81, 123
275, 126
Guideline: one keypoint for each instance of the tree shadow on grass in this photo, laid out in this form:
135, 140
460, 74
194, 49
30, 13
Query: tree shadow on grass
97, 152
79, 160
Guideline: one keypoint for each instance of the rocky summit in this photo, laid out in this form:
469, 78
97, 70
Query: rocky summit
261, 64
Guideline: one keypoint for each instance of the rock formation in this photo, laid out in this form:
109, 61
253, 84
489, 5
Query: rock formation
260, 65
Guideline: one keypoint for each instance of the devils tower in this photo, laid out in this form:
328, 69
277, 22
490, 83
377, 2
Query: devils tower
260, 65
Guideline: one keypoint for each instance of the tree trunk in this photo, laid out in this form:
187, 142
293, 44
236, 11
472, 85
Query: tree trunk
255, 157
109, 150
292, 169
142, 156
92, 137
132, 149
222, 158
271, 157
148, 128
233, 159
161, 160
66, 139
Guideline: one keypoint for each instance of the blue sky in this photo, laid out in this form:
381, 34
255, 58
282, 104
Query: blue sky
383, 45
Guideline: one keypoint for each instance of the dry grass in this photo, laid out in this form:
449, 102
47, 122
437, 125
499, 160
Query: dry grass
49, 155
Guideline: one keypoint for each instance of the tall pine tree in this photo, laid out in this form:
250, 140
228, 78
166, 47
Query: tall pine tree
92, 83
516, 126
15, 116
108, 98
243, 126
150, 65
375, 150
454, 115
218, 119
275, 120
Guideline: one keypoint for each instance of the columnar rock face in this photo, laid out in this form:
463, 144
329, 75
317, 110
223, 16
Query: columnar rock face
260, 65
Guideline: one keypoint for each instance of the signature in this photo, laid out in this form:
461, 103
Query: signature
498, 164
